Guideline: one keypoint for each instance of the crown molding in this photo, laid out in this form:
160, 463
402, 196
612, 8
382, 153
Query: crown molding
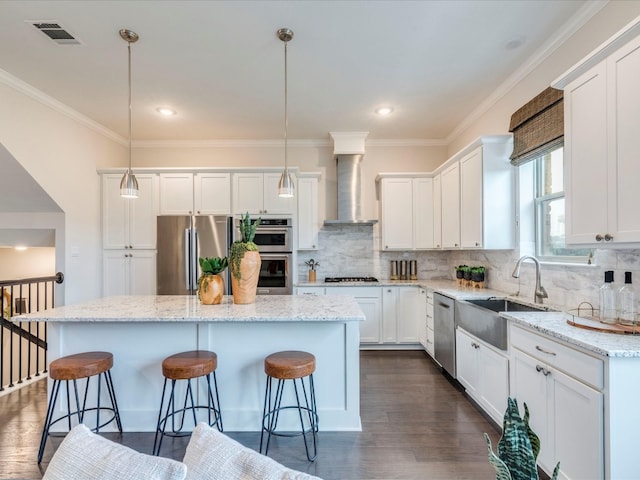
569, 28
41, 97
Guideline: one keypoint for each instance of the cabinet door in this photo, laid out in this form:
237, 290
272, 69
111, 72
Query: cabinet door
471, 202
624, 142
585, 153
142, 272
493, 382
423, 213
115, 272
176, 194
410, 307
437, 211
450, 183
310, 291
212, 193
466, 362
143, 212
370, 328
272, 203
389, 314
308, 227
421, 317
248, 193
530, 385
397, 213
578, 421
115, 213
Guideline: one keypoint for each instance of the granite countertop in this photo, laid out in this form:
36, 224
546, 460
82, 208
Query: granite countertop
174, 308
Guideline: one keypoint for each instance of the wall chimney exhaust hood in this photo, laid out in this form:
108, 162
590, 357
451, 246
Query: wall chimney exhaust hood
348, 150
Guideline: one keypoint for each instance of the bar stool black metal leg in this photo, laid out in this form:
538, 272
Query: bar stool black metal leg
157, 442
45, 431
112, 397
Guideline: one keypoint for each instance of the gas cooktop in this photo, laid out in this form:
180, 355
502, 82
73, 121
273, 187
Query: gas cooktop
349, 279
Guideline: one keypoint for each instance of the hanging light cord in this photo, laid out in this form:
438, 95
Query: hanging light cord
286, 119
129, 48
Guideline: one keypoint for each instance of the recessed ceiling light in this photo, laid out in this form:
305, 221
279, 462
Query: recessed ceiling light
20, 248
384, 111
515, 43
166, 111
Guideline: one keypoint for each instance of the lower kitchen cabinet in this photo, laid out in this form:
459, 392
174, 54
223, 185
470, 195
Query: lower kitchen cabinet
562, 388
403, 311
129, 272
484, 372
368, 299
428, 344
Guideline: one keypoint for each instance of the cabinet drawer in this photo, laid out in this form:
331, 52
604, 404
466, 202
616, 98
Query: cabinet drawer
575, 363
310, 291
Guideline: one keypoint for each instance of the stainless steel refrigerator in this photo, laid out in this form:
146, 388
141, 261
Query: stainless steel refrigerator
181, 241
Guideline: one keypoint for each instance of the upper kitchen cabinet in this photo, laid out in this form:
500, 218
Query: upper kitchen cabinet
129, 222
601, 105
437, 210
308, 225
406, 211
184, 193
257, 193
477, 196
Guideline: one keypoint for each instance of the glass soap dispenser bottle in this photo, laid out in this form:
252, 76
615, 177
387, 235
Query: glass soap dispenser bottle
627, 302
608, 311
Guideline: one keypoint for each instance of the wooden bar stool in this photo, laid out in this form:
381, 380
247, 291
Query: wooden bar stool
186, 366
290, 365
75, 367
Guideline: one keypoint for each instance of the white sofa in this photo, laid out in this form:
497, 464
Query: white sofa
210, 455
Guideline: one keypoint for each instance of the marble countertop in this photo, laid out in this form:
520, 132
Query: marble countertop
175, 308
552, 322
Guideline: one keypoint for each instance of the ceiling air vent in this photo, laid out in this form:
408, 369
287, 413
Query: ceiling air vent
56, 32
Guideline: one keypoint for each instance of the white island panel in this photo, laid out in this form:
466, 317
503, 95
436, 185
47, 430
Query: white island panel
141, 331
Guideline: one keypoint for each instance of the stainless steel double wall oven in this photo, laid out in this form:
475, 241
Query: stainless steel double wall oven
274, 238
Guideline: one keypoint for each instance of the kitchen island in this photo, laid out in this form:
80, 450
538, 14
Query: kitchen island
141, 331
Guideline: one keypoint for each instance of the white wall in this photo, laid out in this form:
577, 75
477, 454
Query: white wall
29, 263
62, 156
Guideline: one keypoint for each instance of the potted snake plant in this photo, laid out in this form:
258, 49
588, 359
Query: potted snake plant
245, 262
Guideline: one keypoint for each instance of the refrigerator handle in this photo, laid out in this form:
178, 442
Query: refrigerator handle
187, 263
194, 259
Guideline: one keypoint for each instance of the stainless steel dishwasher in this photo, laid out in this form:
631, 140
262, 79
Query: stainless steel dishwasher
444, 331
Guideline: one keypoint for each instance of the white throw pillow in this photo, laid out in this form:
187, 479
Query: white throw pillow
211, 455
83, 455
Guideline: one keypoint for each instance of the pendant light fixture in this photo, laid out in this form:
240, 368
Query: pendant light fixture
129, 184
285, 185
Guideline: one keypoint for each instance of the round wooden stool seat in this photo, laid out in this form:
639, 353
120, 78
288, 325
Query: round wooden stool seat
290, 364
185, 365
80, 365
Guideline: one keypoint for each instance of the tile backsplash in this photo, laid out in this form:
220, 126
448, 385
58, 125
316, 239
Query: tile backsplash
354, 251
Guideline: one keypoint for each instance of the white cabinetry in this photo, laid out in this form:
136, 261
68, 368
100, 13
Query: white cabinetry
477, 200
601, 147
450, 204
429, 346
562, 388
184, 193
406, 212
129, 272
484, 372
129, 222
368, 299
437, 211
257, 193
403, 310
310, 290
308, 226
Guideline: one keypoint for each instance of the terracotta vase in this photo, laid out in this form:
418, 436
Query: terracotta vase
211, 289
245, 289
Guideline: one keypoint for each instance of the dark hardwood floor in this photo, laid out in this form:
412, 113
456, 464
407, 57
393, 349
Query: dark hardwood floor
415, 425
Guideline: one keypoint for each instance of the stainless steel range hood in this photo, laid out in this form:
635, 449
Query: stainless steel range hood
349, 153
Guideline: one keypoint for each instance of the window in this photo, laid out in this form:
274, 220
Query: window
542, 181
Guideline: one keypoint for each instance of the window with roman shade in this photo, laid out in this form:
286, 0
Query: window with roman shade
538, 126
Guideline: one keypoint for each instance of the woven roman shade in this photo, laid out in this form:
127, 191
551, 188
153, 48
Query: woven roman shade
538, 126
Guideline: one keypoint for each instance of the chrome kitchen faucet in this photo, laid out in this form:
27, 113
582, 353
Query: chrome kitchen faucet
540, 293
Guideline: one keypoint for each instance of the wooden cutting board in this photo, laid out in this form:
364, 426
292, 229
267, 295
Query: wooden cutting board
598, 326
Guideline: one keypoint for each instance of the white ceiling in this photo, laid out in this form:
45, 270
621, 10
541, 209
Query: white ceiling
221, 66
